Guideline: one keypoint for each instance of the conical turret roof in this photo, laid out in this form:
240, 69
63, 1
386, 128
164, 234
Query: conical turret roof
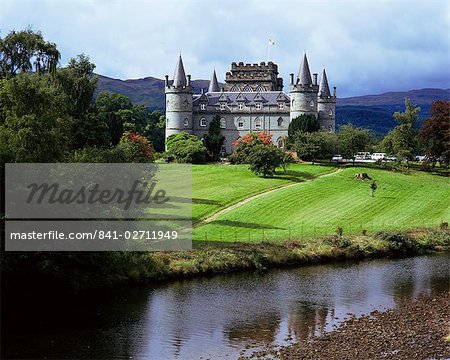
324, 89
304, 75
179, 78
213, 84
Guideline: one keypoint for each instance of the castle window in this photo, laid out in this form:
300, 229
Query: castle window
202, 106
186, 122
203, 122
240, 123
258, 124
258, 106
281, 105
222, 106
223, 123
311, 103
240, 106
280, 121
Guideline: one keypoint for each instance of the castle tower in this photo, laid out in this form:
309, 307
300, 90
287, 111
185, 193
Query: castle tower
303, 92
214, 84
326, 105
179, 102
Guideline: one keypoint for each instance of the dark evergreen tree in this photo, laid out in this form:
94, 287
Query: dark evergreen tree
214, 139
306, 123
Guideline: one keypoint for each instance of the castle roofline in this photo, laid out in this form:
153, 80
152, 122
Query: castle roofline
179, 77
233, 98
304, 74
324, 89
214, 84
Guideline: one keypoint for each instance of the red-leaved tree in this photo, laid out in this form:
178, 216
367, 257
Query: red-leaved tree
435, 133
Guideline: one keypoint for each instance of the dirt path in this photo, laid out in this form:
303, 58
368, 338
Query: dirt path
231, 207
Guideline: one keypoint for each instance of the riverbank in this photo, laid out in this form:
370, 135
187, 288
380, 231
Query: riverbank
416, 330
74, 272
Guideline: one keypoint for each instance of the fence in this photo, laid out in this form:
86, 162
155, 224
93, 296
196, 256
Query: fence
306, 230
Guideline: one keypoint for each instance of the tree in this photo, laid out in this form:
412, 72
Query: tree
307, 146
34, 123
305, 123
312, 146
112, 110
155, 130
246, 143
136, 148
402, 140
186, 148
435, 133
409, 116
214, 139
263, 160
352, 140
27, 51
78, 82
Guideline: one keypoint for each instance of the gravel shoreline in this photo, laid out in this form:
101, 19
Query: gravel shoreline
415, 330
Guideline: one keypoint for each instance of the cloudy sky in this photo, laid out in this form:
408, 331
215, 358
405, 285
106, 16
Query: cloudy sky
367, 47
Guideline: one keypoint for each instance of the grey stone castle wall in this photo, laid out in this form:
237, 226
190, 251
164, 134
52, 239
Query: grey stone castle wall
178, 110
326, 111
269, 122
303, 100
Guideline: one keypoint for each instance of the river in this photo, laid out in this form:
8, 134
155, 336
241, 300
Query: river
216, 317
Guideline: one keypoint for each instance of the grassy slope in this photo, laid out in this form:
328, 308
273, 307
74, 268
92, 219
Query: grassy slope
216, 186
319, 206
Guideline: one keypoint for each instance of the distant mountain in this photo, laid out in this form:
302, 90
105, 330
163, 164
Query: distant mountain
370, 111
375, 111
148, 91
422, 97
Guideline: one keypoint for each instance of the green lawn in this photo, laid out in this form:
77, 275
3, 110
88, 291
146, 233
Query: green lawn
215, 186
320, 206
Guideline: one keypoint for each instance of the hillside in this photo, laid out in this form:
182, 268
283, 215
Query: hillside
328, 201
369, 111
148, 91
375, 111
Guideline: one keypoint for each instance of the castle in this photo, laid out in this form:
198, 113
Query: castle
252, 100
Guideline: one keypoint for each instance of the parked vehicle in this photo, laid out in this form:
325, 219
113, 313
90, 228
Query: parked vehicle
337, 158
378, 156
363, 156
420, 158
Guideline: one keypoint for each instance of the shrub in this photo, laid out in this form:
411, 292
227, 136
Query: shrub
338, 241
136, 148
400, 243
263, 160
185, 148
245, 144
96, 155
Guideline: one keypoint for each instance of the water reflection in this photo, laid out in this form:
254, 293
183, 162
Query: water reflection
217, 317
